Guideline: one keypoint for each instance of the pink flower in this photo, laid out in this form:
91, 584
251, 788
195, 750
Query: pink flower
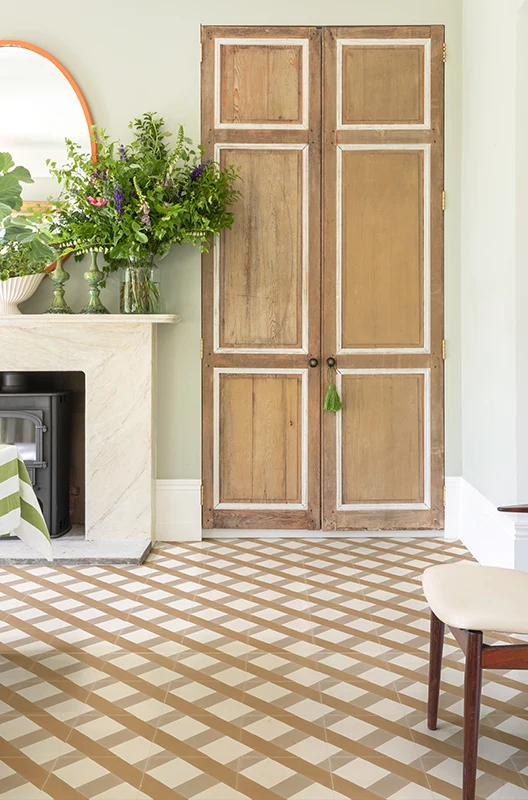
98, 202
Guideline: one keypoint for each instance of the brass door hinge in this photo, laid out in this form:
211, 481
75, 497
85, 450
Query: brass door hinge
201, 495
444, 52
443, 201
444, 349
201, 52
201, 348
445, 495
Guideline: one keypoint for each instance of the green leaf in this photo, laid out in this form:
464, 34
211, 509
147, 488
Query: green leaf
141, 237
41, 251
20, 235
22, 174
6, 162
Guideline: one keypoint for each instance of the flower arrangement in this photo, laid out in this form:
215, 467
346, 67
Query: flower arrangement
139, 200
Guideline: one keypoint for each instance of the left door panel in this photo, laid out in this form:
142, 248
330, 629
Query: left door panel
261, 281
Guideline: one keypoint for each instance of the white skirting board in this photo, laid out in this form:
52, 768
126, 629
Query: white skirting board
492, 537
179, 519
178, 511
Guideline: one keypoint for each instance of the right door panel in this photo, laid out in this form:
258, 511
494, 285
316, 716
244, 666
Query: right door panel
383, 277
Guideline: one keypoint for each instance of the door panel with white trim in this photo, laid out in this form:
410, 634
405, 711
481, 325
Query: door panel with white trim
382, 277
261, 283
261, 429
261, 270
383, 256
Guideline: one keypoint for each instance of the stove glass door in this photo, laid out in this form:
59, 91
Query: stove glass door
19, 431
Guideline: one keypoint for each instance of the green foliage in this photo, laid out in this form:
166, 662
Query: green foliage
139, 200
11, 179
19, 260
24, 240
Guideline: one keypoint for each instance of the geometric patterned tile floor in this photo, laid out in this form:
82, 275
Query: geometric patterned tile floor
242, 669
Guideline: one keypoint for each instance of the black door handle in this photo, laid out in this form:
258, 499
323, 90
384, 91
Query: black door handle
313, 362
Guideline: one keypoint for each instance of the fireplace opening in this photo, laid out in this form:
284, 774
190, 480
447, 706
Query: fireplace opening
43, 413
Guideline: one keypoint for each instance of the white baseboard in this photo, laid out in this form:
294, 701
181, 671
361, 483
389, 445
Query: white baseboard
494, 538
452, 509
178, 511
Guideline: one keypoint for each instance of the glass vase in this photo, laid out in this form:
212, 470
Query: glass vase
139, 288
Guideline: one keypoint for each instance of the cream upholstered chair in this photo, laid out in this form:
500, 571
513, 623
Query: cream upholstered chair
470, 599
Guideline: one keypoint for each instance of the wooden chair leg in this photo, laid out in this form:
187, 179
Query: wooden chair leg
435, 667
472, 692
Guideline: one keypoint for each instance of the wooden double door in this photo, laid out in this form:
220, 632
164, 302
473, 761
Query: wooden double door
336, 251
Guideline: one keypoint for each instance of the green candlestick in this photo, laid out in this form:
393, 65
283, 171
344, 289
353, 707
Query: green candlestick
94, 277
58, 277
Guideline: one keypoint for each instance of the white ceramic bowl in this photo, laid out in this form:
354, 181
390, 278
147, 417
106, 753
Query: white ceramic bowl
15, 290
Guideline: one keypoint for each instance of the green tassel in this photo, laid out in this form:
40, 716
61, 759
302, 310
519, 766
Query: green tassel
332, 400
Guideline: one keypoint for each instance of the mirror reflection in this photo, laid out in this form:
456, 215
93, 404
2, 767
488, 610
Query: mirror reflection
39, 109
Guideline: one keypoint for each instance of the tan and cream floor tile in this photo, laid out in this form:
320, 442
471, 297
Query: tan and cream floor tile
242, 669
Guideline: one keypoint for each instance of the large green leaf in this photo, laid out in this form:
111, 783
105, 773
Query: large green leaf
21, 174
39, 251
10, 191
11, 178
5, 211
19, 233
6, 162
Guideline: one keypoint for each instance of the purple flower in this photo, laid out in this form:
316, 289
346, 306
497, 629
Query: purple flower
123, 153
119, 200
99, 175
197, 171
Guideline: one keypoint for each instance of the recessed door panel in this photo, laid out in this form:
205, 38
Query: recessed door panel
261, 264
381, 260
383, 435
261, 83
262, 439
384, 83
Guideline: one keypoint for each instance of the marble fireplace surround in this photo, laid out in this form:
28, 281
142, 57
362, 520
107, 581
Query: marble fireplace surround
117, 354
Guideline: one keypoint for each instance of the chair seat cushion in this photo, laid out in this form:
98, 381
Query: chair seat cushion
478, 598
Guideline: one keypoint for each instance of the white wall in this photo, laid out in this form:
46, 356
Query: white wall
489, 248
522, 254
494, 280
129, 57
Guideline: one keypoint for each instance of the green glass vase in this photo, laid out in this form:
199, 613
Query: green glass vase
58, 277
94, 277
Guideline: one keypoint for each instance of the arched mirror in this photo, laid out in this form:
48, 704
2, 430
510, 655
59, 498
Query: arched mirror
41, 105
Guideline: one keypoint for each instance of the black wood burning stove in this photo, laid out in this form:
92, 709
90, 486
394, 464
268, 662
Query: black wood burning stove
39, 424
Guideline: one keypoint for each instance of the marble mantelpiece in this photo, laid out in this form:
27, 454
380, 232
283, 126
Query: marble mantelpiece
117, 354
